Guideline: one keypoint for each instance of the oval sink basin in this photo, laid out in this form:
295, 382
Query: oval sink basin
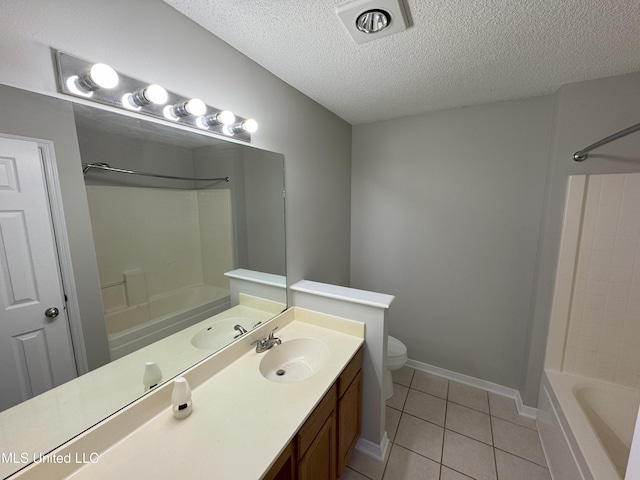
219, 333
294, 360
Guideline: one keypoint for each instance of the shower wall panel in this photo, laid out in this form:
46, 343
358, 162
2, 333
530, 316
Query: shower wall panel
166, 233
215, 223
604, 326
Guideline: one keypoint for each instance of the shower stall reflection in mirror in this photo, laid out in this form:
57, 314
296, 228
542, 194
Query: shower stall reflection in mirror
162, 254
162, 245
172, 211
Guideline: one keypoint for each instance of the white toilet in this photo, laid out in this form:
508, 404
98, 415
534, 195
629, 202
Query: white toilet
396, 358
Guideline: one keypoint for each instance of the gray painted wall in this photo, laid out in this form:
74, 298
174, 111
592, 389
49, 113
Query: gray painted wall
459, 214
191, 61
169, 49
264, 200
585, 113
133, 153
446, 210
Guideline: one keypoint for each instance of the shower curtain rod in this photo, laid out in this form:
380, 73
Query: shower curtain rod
105, 166
581, 155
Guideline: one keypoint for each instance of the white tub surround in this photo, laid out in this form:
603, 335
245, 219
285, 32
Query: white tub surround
584, 426
161, 316
370, 308
588, 401
240, 422
258, 284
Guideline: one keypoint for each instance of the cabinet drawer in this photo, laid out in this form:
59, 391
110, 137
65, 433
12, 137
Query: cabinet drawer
349, 373
317, 419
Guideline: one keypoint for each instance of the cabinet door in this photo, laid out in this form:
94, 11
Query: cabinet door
319, 461
349, 421
284, 467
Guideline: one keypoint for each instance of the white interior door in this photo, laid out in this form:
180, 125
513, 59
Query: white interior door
35, 344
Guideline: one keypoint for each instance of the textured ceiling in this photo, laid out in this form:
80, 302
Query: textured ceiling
456, 53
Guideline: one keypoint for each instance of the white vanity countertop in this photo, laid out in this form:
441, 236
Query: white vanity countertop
50, 419
240, 422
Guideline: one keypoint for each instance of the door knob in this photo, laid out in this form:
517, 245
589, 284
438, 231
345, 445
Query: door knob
51, 312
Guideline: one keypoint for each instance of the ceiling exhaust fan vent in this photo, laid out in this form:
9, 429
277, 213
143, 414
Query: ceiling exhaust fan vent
367, 20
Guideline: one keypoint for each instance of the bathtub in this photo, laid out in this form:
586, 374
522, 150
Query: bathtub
586, 426
163, 315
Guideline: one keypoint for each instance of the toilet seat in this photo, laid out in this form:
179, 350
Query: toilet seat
396, 352
395, 360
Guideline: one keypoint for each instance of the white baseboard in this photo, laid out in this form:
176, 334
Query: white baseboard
379, 452
523, 410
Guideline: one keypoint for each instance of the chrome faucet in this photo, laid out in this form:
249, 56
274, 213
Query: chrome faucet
240, 329
264, 344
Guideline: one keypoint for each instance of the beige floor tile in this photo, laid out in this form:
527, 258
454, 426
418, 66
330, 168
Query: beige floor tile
431, 384
468, 396
520, 441
447, 474
392, 419
399, 396
426, 407
406, 465
469, 422
403, 376
420, 436
505, 408
468, 456
511, 467
365, 465
349, 474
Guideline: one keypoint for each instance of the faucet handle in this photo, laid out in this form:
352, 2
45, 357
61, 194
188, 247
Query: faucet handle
271, 333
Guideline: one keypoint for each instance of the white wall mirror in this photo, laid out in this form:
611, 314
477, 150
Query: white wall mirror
166, 266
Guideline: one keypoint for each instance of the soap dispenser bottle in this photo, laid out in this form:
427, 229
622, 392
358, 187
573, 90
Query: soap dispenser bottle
181, 398
152, 375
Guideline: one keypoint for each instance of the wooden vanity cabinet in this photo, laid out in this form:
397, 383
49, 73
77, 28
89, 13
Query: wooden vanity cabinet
349, 410
285, 467
316, 440
319, 461
322, 446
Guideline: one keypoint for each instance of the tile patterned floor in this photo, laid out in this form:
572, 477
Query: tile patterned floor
444, 430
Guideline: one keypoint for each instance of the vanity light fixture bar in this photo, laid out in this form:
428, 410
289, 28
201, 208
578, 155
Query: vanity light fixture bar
100, 83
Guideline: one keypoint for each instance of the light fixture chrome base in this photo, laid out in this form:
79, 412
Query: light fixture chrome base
69, 67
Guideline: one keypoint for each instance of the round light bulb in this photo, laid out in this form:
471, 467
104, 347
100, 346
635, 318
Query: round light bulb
201, 123
73, 86
156, 94
195, 107
250, 125
226, 117
128, 103
168, 113
103, 75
